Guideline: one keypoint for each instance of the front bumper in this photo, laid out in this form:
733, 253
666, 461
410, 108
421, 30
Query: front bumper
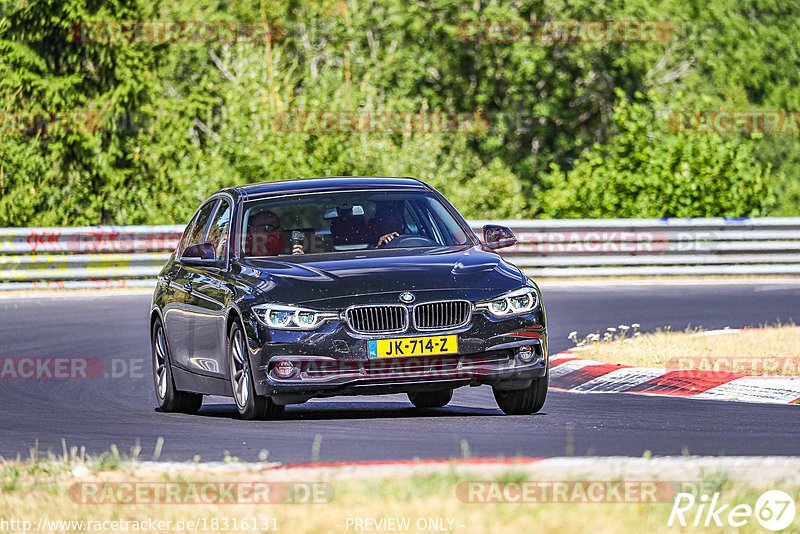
334, 360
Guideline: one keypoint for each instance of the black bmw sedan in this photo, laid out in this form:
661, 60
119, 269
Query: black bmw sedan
284, 291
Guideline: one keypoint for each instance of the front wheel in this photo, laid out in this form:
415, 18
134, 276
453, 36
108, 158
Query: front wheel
249, 405
169, 398
523, 401
431, 399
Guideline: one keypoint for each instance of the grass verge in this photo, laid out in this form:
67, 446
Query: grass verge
427, 501
772, 350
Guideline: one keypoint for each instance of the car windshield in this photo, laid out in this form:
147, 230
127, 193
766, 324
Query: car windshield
347, 221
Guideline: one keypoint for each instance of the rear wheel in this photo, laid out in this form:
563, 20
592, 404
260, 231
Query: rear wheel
169, 398
431, 399
523, 401
249, 405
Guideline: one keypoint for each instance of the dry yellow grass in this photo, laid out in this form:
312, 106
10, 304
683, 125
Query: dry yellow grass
30, 494
770, 350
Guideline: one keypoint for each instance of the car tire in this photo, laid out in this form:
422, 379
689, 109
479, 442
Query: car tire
523, 401
168, 397
431, 399
248, 403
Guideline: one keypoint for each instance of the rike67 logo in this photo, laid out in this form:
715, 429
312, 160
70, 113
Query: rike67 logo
774, 510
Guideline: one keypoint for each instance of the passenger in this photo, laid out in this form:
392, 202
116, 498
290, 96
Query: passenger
264, 236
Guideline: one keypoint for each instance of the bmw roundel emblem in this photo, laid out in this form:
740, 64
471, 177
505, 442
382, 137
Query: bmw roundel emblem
407, 297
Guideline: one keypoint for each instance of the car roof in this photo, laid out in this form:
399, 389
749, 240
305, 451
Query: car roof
325, 184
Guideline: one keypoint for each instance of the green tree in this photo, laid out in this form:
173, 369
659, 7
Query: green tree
208, 109
68, 163
646, 171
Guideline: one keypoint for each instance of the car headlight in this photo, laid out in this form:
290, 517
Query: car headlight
517, 302
283, 317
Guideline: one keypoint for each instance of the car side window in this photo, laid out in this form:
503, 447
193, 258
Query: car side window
411, 220
199, 228
185, 237
218, 231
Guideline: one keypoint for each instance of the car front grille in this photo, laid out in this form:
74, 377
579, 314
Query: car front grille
442, 315
377, 319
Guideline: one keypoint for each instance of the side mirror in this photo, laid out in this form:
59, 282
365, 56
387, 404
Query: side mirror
495, 237
199, 254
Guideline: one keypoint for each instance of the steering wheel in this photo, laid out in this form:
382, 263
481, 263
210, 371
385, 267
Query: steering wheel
409, 240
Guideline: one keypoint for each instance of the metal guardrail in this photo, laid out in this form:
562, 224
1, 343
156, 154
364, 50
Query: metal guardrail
84, 257
131, 256
647, 247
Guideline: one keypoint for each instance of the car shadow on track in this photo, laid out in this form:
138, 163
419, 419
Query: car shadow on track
354, 410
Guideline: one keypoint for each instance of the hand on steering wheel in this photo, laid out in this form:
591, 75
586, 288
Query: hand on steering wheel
386, 238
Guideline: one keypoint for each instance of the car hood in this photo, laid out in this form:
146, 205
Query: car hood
337, 280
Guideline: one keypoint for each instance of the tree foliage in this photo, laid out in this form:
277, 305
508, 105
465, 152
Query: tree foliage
645, 171
156, 127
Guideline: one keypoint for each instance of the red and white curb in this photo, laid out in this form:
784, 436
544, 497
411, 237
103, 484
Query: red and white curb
587, 376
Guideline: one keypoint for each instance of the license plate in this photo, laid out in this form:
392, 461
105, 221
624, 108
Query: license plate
412, 346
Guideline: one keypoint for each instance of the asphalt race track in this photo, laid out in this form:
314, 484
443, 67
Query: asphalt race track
121, 409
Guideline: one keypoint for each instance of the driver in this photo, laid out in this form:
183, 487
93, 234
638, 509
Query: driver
387, 225
264, 236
